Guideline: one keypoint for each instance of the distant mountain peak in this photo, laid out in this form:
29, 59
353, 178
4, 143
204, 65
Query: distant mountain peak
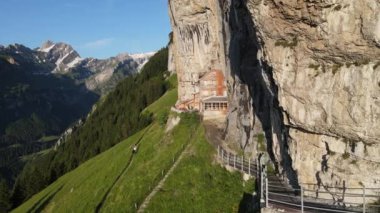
142, 58
142, 55
98, 75
47, 46
123, 56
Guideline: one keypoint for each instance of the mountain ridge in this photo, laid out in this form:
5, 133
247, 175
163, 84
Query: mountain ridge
98, 75
44, 91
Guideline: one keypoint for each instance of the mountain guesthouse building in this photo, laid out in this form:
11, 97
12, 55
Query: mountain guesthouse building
211, 100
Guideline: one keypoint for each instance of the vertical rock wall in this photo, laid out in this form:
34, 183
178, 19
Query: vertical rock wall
197, 44
305, 72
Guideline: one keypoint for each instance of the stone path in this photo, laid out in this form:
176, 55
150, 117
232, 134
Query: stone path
147, 200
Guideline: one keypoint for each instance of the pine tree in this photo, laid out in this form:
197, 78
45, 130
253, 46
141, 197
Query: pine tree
4, 197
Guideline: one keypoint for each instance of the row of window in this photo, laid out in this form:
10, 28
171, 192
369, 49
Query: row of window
215, 106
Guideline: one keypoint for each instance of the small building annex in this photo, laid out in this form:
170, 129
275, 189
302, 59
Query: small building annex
211, 100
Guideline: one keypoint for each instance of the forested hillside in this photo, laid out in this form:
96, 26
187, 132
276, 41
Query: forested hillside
34, 110
115, 118
119, 181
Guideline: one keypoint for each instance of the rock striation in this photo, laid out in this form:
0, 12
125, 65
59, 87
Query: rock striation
306, 73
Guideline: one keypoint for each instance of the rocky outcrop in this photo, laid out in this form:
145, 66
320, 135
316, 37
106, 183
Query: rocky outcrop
307, 73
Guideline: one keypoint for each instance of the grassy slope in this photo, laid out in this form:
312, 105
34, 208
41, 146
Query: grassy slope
196, 185
83, 189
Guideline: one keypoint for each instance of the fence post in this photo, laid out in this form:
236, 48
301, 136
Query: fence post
364, 199
242, 164
229, 158
301, 199
261, 185
249, 166
218, 152
257, 168
266, 190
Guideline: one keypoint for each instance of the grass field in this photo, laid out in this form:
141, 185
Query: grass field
84, 188
199, 185
112, 182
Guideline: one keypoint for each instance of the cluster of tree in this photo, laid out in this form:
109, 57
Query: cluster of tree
33, 105
5, 203
27, 129
9, 154
116, 117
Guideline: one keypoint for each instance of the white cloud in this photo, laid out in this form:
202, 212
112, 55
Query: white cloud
101, 43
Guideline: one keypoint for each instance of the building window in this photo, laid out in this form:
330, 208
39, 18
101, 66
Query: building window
224, 106
217, 106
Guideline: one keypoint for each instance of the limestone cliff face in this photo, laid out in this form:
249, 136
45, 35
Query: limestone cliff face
197, 41
307, 73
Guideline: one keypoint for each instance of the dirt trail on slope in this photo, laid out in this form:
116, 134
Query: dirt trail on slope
100, 205
147, 200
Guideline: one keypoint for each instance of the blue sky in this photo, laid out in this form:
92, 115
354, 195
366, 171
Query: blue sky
95, 28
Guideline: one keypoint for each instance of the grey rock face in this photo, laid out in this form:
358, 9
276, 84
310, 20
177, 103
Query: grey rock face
306, 72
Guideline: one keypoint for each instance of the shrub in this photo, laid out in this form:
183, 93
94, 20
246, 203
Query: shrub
376, 65
336, 67
346, 155
285, 43
271, 169
163, 118
314, 66
364, 61
190, 118
260, 142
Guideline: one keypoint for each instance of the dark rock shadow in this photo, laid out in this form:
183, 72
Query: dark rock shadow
244, 46
324, 164
249, 203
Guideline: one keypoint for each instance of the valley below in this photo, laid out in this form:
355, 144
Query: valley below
49, 90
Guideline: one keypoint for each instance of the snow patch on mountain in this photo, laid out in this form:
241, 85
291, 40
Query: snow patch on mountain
142, 58
73, 63
46, 49
142, 55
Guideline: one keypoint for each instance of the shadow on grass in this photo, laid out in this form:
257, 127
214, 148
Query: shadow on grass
100, 205
40, 205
